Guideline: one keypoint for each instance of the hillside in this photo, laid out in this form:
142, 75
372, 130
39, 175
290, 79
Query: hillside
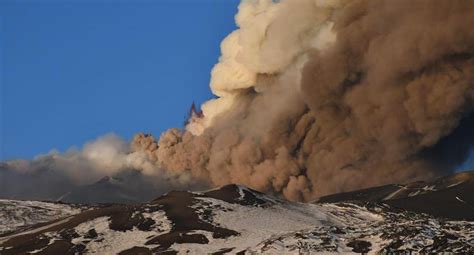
235, 219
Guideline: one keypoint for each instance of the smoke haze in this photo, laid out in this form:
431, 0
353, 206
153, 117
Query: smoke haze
314, 97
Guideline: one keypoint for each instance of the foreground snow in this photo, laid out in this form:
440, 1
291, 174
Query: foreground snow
235, 219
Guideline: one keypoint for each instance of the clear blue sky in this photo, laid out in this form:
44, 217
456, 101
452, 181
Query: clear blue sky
74, 70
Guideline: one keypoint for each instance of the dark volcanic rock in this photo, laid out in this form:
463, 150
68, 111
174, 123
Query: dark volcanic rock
448, 197
456, 202
136, 251
166, 240
238, 195
360, 246
369, 195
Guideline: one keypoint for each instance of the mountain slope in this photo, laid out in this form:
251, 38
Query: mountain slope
235, 219
449, 196
45, 184
106, 190
17, 214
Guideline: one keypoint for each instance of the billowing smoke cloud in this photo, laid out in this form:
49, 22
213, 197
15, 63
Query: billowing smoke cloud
316, 97
382, 83
50, 176
398, 79
251, 133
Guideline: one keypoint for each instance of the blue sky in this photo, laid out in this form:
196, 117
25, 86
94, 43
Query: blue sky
74, 70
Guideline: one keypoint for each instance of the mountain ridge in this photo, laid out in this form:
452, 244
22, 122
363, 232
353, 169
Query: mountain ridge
448, 196
235, 219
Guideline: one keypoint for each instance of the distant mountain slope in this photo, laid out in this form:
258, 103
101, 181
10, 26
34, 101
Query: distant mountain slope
17, 214
450, 196
237, 220
44, 184
109, 190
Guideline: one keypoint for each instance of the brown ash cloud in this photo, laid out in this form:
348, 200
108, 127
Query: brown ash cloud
316, 97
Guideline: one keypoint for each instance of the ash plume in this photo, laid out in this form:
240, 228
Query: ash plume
317, 97
398, 79
321, 96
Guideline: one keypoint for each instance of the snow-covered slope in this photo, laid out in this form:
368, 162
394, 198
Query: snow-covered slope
17, 214
449, 196
390, 231
237, 220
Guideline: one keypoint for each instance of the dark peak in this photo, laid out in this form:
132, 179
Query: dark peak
231, 193
176, 196
104, 179
193, 112
108, 180
447, 197
239, 188
238, 194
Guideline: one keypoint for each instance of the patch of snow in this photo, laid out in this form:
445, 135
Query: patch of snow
160, 219
109, 241
35, 230
395, 193
460, 200
53, 237
416, 193
429, 188
241, 192
18, 214
455, 184
256, 224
